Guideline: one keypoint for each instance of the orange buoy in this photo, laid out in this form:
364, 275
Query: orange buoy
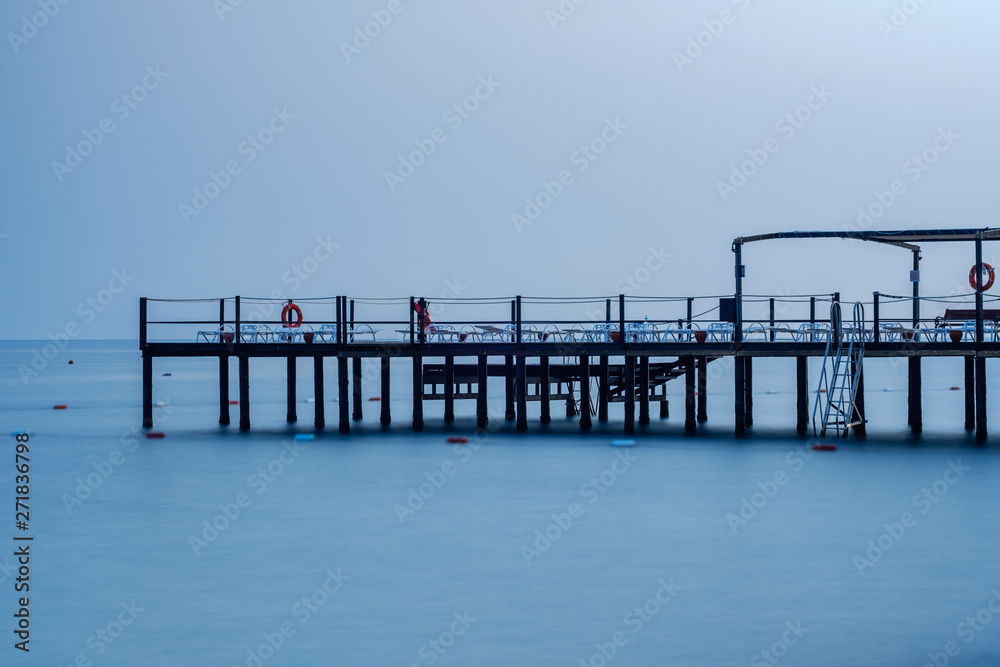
156, 434
375, 398
825, 447
457, 439
61, 406
286, 315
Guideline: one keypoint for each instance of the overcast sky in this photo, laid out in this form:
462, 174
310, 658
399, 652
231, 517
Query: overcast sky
389, 148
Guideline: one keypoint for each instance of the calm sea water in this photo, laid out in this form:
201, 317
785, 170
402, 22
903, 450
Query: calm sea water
551, 548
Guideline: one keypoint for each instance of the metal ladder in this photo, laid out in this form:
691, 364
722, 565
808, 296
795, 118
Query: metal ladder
838, 384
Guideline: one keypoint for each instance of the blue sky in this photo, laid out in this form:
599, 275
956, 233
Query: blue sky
227, 144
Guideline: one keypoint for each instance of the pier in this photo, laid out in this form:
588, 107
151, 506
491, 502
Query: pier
588, 352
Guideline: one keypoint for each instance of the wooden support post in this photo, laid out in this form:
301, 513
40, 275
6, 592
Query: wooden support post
244, 392
628, 391
521, 391
664, 405
644, 396
970, 393
508, 366
740, 386
981, 431
418, 393
482, 416
585, 420
914, 399
449, 389
147, 391
223, 390
343, 395
690, 388
801, 394
702, 395
858, 414
290, 415
386, 413
358, 412
545, 389
603, 391
319, 394
748, 392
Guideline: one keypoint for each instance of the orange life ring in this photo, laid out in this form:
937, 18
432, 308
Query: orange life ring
426, 316
286, 320
972, 276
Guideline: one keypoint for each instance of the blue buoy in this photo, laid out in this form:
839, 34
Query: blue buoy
303, 436
623, 443
17, 433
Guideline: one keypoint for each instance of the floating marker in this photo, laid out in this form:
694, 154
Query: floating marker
623, 443
71, 361
825, 447
956, 389
59, 407
304, 437
457, 439
17, 433
166, 375
155, 434
159, 404
887, 389
310, 400
375, 398
234, 402
822, 391
771, 391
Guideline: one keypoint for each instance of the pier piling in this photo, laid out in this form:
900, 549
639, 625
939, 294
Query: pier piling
914, 402
521, 392
801, 394
981, 431
343, 395
603, 390
508, 385
358, 412
545, 389
482, 415
386, 414
290, 415
858, 414
244, 364
644, 393
147, 391
585, 420
690, 390
449, 389
418, 393
702, 391
223, 390
319, 399
970, 393
628, 392
740, 402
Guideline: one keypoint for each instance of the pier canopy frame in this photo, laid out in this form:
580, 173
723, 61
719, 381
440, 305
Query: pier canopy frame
905, 239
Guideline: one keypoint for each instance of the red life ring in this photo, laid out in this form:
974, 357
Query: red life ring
426, 316
985, 267
286, 320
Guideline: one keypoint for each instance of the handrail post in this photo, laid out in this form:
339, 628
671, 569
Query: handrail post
740, 271
979, 290
412, 311
875, 317
621, 320
916, 288
812, 310
690, 311
236, 324
517, 320
422, 321
142, 323
352, 315
772, 318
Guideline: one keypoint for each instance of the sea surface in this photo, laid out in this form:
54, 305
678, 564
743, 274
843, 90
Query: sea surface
389, 547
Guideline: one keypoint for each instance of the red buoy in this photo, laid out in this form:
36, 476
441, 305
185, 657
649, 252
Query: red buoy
825, 447
156, 434
59, 407
70, 361
457, 440
375, 398
234, 402
956, 388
